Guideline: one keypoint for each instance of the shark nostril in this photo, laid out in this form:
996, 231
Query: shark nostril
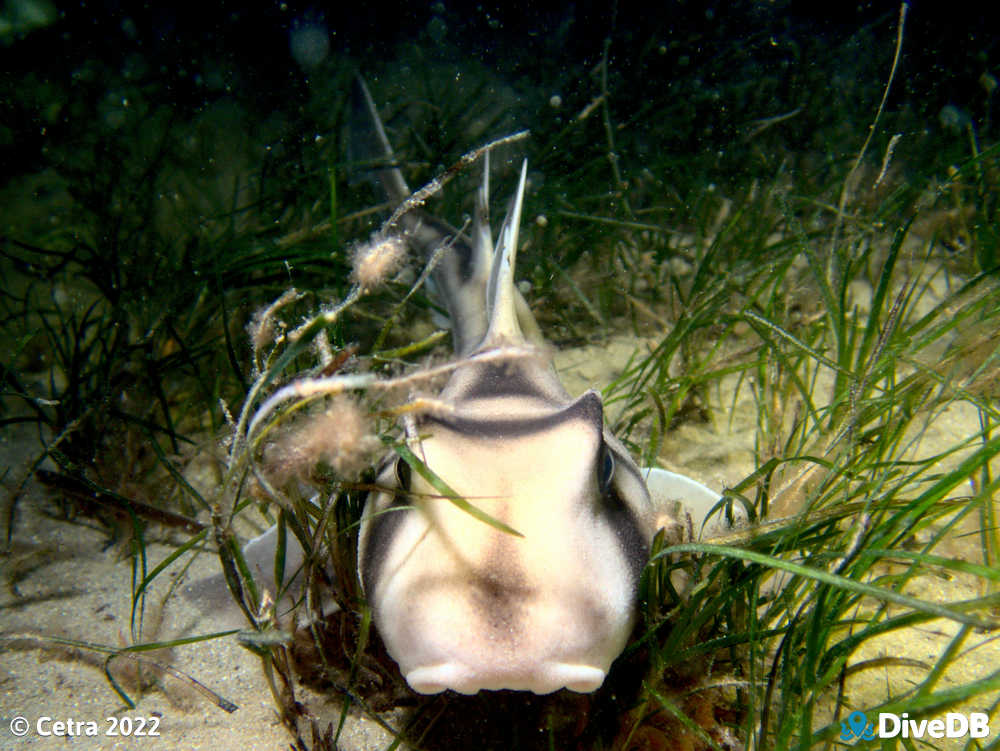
436, 678
580, 678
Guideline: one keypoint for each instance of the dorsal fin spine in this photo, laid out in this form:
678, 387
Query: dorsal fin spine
501, 295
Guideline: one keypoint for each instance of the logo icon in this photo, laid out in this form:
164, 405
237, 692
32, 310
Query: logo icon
856, 727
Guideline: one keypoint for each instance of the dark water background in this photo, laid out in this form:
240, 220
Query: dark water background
717, 65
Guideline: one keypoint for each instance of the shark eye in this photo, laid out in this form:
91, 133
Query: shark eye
606, 470
403, 474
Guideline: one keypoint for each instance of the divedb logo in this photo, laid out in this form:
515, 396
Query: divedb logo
953, 725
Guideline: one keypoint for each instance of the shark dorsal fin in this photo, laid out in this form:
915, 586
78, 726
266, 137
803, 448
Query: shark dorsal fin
501, 294
482, 234
378, 146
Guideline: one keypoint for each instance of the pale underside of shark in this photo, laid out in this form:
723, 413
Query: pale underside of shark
461, 604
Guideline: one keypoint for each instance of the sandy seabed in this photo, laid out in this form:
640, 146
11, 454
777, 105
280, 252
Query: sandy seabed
65, 580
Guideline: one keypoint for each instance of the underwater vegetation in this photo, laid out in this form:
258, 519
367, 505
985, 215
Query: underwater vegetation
210, 333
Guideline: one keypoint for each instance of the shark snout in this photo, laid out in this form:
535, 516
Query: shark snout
471, 637
541, 678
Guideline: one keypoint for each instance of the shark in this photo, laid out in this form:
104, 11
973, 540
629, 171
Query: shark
545, 598
467, 606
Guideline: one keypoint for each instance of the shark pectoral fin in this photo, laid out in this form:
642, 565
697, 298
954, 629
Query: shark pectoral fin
211, 594
675, 495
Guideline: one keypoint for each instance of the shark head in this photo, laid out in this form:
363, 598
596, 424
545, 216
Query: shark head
545, 599
463, 605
